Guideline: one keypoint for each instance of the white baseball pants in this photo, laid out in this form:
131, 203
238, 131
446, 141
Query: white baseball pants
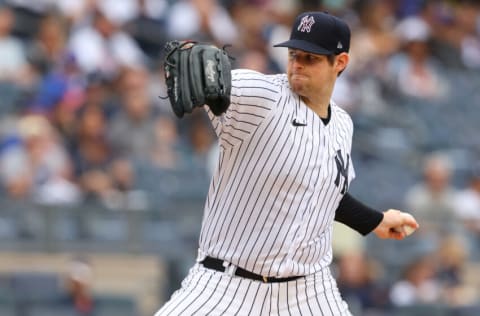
209, 292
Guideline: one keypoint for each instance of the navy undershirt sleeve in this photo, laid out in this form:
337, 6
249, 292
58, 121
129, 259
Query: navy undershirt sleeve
357, 216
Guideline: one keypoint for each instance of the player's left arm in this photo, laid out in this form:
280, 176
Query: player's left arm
392, 224
197, 74
253, 96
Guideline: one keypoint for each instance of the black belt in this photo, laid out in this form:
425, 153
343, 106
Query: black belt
217, 264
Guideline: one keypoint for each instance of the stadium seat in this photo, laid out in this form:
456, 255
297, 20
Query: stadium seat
113, 305
421, 310
7, 309
108, 226
8, 227
32, 287
473, 310
51, 310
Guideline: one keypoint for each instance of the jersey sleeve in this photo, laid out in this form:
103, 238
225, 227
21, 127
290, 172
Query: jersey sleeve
253, 97
357, 215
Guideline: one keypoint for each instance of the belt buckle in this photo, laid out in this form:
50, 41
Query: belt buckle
229, 268
265, 279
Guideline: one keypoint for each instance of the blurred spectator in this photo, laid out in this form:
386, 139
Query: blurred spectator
123, 195
432, 200
466, 14
103, 47
92, 153
13, 66
48, 163
203, 142
467, 208
16, 179
256, 60
82, 92
39, 6
75, 12
277, 32
444, 33
167, 153
148, 27
131, 131
417, 284
100, 91
118, 12
49, 44
413, 71
104, 176
256, 24
62, 87
454, 26
467, 203
374, 40
358, 282
78, 284
204, 20
452, 262
410, 7
28, 14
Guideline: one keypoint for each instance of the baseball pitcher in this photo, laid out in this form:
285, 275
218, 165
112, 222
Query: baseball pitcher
282, 177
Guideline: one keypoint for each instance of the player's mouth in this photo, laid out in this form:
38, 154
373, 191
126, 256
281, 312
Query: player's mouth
296, 76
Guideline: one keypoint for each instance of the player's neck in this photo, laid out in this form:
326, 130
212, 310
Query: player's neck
319, 106
319, 99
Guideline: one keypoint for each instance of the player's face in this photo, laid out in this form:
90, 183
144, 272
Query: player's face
311, 73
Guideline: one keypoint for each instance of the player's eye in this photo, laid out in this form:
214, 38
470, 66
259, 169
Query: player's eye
310, 59
302, 57
292, 55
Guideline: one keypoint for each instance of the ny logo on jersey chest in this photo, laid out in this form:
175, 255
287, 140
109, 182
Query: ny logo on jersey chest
342, 171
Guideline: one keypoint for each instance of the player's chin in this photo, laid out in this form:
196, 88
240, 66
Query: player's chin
297, 87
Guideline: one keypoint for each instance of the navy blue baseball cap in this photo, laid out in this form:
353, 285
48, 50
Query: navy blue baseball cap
319, 33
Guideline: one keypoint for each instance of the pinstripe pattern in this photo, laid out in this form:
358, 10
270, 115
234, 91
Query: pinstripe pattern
207, 292
271, 202
270, 205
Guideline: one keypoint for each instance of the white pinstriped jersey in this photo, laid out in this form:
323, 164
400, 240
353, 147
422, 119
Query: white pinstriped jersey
281, 175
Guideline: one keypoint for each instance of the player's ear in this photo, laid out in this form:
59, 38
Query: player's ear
341, 62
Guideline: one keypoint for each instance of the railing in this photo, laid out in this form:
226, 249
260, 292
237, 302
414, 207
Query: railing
28, 227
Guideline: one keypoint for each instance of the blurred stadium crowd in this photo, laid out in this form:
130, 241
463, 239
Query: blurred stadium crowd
85, 128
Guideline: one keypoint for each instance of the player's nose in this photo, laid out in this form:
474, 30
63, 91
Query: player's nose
296, 63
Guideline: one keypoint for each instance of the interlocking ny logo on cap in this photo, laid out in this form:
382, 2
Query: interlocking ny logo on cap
306, 24
318, 33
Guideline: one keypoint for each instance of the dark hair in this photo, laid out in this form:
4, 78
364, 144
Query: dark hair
331, 59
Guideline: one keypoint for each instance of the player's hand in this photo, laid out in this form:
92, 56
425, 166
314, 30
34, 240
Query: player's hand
396, 225
197, 74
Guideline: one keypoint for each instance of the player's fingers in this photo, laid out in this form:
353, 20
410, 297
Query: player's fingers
409, 220
397, 234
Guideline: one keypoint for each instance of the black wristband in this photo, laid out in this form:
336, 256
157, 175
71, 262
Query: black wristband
357, 216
